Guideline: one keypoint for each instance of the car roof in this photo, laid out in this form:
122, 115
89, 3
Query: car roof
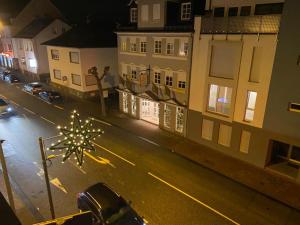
104, 196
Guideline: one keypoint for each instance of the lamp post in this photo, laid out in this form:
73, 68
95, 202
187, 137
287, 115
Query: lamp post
6, 178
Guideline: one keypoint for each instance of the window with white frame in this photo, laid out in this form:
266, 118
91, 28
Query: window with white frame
170, 48
179, 119
133, 74
251, 102
133, 47
157, 47
133, 15
145, 13
167, 116
184, 48
156, 11
186, 9
219, 99
207, 129
55, 54
157, 77
133, 105
169, 80
143, 46
74, 57
181, 84
125, 102
57, 74
76, 79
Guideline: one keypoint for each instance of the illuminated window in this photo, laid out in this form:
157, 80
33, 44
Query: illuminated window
184, 48
125, 102
251, 101
179, 119
170, 48
157, 47
143, 46
55, 54
123, 46
186, 9
133, 105
167, 116
57, 74
219, 100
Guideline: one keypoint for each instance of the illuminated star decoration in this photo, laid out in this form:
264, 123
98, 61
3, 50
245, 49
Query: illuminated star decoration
77, 139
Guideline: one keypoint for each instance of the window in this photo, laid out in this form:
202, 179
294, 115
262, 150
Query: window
167, 116
207, 129
32, 63
170, 48
55, 54
219, 12
245, 11
57, 74
133, 74
157, 47
245, 141
123, 45
74, 57
294, 107
156, 77
125, 102
156, 11
186, 9
181, 84
145, 13
233, 11
184, 48
133, 15
272, 8
133, 105
225, 135
143, 46
256, 64
76, 79
219, 99
179, 119
133, 47
251, 101
169, 81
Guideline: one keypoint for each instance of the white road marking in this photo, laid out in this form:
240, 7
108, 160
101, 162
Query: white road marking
81, 170
13, 102
120, 157
147, 140
101, 121
49, 121
28, 110
56, 106
194, 199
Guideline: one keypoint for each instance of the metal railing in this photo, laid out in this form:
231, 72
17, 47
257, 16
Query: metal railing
241, 24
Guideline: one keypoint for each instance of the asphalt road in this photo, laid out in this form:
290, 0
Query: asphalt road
164, 188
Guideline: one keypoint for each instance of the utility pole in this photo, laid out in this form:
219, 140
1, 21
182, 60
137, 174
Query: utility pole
6, 178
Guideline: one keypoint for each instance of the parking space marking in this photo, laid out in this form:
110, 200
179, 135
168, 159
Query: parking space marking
194, 199
28, 110
120, 157
149, 141
56, 106
101, 121
49, 121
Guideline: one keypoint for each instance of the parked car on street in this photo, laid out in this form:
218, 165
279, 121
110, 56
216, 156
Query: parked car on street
107, 206
50, 96
33, 88
5, 108
4, 73
11, 78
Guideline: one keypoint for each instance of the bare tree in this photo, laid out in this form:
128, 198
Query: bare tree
93, 71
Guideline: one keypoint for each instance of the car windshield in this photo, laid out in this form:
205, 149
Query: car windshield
2, 102
112, 216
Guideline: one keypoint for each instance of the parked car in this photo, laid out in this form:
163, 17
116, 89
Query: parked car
5, 108
50, 96
33, 88
107, 206
4, 73
11, 78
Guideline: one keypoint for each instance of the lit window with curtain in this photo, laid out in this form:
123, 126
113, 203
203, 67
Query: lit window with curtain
219, 99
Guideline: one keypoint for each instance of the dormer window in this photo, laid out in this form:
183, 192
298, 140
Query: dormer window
133, 15
186, 9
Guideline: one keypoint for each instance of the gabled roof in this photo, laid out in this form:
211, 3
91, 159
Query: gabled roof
86, 36
34, 28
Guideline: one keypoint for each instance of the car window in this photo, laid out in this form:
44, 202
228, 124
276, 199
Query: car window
2, 102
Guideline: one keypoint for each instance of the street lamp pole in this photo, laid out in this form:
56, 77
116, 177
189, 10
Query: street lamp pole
6, 178
47, 178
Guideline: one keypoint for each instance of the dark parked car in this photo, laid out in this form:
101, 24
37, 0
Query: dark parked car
5, 108
4, 74
33, 88
11, 78
50, 96
108, 207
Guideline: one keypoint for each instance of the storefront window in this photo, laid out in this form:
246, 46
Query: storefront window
179, 119
125, 102
133, 105
167, 116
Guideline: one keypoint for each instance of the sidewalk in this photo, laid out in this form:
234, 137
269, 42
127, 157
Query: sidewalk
265, 181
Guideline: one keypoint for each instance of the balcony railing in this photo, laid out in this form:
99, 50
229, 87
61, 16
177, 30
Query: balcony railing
241, 24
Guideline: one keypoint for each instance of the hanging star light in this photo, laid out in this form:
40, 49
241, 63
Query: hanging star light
77, 139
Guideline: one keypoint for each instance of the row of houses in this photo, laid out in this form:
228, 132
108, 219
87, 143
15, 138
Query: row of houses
212, 71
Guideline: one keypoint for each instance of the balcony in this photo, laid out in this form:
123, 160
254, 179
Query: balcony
266, 24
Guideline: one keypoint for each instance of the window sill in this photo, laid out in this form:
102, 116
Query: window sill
169, 57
